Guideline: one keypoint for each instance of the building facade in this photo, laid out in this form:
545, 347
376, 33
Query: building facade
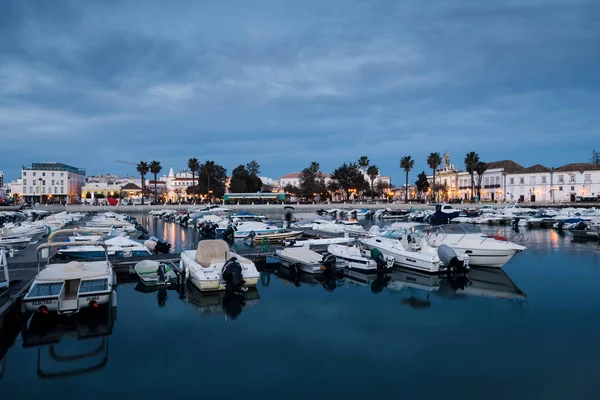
52, 182
509, 181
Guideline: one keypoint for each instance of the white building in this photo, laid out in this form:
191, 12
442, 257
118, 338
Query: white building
176, 184
52, 182
575, 182
293, 178
15, 189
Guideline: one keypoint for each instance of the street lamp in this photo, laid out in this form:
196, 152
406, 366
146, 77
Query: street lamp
40, 180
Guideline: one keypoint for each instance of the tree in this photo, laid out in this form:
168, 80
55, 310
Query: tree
422, 183
348, 176
407, 163
216, 181
363, 163
155, 169
242, 181
253, 168
434, 161
207, 169
194, 167
595, 159
471, 160
142, 168
291, 189
311, 180
480, 169
372, 172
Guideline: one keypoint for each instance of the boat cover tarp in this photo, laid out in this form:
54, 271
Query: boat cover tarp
73, 270
212, 251
302, 254
122, 241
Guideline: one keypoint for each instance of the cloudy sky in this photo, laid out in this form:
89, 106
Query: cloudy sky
288, 82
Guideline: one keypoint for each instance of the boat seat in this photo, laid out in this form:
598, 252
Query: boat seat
209, 252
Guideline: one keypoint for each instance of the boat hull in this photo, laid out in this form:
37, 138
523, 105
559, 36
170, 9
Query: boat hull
52, 304
487, 258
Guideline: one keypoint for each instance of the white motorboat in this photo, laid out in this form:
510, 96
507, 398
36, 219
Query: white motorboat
206, 266
15, 242
307, 260
483, 250
66, 288
120, 246
356, 257
154, 273
246, 228
424, 258
4, 278
316, 244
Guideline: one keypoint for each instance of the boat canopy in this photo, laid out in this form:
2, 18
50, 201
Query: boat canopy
73, 270
212, 251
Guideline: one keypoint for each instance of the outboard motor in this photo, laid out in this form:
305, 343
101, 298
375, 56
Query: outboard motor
161, 273
449, 258
162, 248
228, 233
329, 262
232, 275
377, 255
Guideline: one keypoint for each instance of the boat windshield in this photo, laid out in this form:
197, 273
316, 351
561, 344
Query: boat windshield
93, 285
460, 229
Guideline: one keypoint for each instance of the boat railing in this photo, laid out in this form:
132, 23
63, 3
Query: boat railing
44, 249
73, 231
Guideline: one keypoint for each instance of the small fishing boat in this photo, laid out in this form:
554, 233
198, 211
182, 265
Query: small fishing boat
213, 266
357, 257
275, 237
305, 259
244, 229
66, 288
154, 273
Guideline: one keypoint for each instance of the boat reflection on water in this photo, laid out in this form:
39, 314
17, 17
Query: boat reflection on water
162, 291
328, 280
9, 331
483, 282
86, 331
222, 302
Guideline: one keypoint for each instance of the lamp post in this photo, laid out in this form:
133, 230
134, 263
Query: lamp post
40, 180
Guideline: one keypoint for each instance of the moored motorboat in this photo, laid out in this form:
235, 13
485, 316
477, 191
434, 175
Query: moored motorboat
356, 257
66, 288
275, 237
213, 266
304, 259
154, 273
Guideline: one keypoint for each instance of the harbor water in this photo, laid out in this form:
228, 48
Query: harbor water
527, 331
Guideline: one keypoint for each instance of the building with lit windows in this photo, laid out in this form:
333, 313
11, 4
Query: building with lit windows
52, 182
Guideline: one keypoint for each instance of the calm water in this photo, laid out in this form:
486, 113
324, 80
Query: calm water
303, 341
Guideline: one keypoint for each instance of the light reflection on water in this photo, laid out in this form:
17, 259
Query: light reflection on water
513, 334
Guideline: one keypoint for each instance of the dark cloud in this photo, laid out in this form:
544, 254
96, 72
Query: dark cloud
288, 82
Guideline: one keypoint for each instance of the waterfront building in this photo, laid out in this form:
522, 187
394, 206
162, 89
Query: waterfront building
576, 182
293, 178
1, 179
14, 189
176, 184
52, 182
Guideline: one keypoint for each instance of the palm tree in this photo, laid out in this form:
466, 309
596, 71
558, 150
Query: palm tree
373, 172
208, 168
480, 168
363, 163
155, 169
142, 168
471, 160
407, 163
434, 161
194, 166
